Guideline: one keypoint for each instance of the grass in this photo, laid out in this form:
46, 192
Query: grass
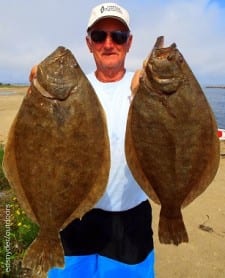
3, 181
8, 85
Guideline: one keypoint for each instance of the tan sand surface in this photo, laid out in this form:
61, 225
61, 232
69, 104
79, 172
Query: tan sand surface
204, 255
9, 105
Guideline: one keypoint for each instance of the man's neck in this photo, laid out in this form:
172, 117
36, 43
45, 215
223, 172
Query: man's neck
109, 75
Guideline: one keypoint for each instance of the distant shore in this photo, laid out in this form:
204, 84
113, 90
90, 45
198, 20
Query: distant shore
9, 86
216, 86
13, 86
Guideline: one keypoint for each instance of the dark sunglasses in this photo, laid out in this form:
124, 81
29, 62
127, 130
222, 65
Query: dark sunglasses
99, 36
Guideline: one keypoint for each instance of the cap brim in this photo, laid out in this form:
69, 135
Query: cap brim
107, 16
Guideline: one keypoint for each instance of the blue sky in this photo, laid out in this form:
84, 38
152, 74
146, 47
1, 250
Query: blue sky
30, 30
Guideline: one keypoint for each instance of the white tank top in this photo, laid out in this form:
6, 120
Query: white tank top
122, 191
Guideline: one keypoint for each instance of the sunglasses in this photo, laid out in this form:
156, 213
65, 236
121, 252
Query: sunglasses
99, 36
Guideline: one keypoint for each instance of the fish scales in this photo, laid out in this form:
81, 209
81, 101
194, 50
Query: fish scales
171, 145
57, 155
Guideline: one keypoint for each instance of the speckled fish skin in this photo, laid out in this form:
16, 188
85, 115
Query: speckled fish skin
171, 144
57, 154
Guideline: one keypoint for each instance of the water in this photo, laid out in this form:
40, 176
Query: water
5, 93
216, 99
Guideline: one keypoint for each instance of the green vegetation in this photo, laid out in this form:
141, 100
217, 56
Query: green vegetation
4, 84
3, 181
17, 231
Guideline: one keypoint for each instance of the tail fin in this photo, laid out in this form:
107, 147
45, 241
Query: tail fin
43, 254
172, 230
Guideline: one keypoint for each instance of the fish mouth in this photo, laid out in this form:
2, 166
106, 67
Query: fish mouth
167, 85
54, 89
163, 67
61, 92
164, 76
56, 75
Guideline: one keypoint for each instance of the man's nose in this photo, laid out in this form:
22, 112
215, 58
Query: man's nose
108, 42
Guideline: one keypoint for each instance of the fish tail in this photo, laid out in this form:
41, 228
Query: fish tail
172, 230
43, 254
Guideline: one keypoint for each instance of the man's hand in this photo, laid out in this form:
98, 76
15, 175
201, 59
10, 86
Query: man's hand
33, 73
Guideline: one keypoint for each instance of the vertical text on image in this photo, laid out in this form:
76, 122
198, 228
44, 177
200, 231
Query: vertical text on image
7, 238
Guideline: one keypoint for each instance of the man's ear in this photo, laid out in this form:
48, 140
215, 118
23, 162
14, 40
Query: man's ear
129, 42
89, 44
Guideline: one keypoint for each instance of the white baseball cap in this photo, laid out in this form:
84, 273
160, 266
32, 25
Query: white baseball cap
109, 10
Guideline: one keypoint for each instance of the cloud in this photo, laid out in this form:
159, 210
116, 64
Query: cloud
33, 29
195, 26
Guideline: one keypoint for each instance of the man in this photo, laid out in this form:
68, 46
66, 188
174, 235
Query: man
114, 239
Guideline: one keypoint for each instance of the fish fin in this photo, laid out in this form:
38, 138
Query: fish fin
210, 170
43, 254
134, 163
172, 230
11, 173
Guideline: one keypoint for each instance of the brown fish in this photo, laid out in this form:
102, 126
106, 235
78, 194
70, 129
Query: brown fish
57, 155
171, 144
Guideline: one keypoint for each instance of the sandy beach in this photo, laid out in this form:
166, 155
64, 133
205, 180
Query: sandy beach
10, 100
204, 255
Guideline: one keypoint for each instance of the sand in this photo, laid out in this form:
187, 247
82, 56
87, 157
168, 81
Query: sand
204, 255
9, 105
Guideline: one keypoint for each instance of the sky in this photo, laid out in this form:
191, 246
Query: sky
30, 30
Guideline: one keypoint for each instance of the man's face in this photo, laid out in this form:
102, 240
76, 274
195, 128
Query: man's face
108, 54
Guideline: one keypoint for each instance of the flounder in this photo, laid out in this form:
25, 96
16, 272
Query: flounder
171, 142
57, 155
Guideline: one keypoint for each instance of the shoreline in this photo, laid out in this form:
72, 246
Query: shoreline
215, 87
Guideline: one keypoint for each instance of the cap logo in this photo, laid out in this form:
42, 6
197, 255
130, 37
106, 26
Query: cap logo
110, 9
